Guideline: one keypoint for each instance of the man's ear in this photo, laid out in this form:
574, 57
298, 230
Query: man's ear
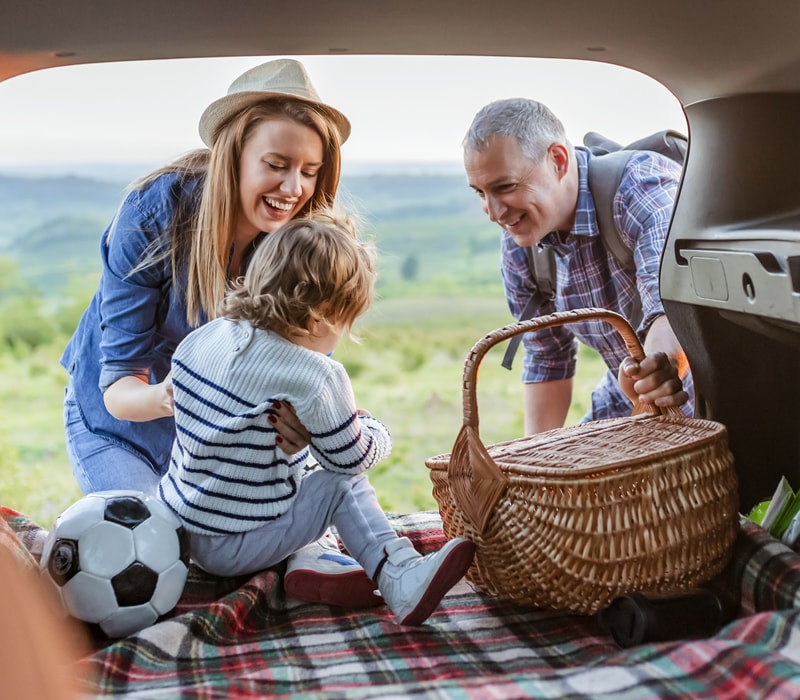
559, 156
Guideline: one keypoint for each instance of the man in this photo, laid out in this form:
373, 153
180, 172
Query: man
533, 183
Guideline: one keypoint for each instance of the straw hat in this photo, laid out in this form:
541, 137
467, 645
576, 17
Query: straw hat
284, 77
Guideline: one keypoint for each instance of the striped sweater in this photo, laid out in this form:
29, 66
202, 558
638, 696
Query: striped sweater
226, 473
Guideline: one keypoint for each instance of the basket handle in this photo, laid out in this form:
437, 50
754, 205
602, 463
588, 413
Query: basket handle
477, 483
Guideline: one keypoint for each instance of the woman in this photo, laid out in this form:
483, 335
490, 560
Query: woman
179, 237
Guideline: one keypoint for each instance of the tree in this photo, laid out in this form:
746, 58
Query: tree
23, 317
410, 268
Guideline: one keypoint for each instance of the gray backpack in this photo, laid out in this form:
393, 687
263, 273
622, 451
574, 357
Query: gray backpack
605, 173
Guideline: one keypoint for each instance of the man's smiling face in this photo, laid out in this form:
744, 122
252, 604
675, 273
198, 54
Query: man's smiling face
525, 198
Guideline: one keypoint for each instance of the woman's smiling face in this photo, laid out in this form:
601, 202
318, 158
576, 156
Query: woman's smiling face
278, 173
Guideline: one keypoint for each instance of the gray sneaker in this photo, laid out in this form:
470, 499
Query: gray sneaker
413, 585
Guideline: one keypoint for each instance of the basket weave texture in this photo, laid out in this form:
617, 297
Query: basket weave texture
571, 518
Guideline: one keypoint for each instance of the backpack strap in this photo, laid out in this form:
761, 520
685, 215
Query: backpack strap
605, 174
542, 266
542, 263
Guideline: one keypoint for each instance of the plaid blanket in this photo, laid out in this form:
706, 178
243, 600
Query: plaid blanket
238, 638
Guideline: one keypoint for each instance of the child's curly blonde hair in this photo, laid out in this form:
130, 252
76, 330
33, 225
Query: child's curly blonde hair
312, 268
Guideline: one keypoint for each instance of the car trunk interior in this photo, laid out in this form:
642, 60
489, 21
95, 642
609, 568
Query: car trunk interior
731, 269
730, 279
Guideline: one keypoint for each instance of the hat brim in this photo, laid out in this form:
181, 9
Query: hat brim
224, 108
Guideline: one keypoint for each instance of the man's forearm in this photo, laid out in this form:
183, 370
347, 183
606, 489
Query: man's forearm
546, 405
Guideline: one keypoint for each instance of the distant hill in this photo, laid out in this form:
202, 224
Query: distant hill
126, 172
27, 202
57, 191
396, 196
52, 225
51, 253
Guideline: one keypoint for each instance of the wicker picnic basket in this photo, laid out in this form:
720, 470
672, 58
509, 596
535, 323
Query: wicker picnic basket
573, 517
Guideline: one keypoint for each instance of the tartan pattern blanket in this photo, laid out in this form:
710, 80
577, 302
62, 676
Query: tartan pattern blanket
238, 638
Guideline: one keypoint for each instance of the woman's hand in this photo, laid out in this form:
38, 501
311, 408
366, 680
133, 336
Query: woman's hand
292, 435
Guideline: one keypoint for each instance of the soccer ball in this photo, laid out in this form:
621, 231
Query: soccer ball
117, 559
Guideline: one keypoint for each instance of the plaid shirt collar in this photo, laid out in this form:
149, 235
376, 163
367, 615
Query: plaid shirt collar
585, 218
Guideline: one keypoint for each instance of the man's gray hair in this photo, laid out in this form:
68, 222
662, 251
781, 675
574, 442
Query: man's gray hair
531, 123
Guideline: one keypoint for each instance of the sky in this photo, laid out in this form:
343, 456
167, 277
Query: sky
402, 109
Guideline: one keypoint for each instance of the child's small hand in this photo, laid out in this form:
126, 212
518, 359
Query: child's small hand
365, 414
292, 435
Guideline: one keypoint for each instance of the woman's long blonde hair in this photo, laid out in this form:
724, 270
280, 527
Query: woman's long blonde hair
202, 231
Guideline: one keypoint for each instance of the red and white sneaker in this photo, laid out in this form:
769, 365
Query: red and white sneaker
321, 573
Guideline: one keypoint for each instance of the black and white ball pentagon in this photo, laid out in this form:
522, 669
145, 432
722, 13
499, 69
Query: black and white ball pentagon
117, 559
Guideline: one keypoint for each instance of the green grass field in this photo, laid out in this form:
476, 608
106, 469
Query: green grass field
406, 371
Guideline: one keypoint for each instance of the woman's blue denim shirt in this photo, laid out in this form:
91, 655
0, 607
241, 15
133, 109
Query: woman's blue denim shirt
134, 321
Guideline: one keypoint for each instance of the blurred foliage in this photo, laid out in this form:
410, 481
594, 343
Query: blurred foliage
25, 322
439, 292
406, 370
429, 230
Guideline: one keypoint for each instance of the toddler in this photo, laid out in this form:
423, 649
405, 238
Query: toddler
246, 503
